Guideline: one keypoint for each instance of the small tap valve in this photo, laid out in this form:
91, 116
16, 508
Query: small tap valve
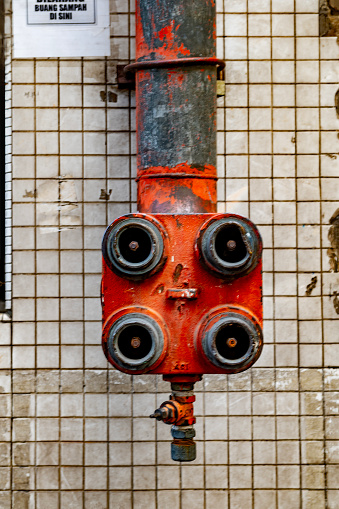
179, 412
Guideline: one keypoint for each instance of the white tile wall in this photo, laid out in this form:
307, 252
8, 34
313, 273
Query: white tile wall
74, 433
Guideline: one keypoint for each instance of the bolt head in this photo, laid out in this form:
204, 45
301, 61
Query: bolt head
136, 342
231, 245
134, 245
231, 342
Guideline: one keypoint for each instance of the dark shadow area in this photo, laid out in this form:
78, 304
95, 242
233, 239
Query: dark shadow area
2, 159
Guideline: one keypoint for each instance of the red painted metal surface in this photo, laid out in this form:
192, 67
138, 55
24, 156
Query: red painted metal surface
164, 190
182, 296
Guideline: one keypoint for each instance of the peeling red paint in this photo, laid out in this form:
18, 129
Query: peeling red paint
170, 48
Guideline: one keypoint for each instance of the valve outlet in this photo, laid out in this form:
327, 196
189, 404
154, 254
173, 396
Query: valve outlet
230, 246
135, 342
133, 247
232, 340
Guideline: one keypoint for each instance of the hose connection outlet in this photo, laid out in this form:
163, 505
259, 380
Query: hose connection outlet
232, 341
133, 247
135, 342
230, 246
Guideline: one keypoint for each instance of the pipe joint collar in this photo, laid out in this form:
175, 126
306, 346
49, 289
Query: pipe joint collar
230, 246
231, 340
133, 247
135, 342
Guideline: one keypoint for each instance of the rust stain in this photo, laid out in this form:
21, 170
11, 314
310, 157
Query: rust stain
333, 237
336, 102
109, 96
159, 289
104, 195
177, 272
336, 302
179, 225
329, 18
30, 194
312, 285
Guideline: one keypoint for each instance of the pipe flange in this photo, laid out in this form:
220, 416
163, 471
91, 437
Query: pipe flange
135, 341
230, 246
232, 341
133, 247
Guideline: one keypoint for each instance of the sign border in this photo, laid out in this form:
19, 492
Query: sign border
71, 24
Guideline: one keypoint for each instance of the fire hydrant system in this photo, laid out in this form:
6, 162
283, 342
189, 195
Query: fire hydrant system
182, 284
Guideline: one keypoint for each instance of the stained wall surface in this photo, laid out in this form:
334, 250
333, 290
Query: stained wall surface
74, 433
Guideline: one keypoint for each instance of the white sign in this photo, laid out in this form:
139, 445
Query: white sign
61, 28
43, 12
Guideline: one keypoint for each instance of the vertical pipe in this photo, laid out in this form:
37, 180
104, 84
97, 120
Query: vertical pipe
176, 132
176, 106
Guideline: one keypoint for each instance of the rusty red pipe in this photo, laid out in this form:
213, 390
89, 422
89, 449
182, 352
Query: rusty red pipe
176, 106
